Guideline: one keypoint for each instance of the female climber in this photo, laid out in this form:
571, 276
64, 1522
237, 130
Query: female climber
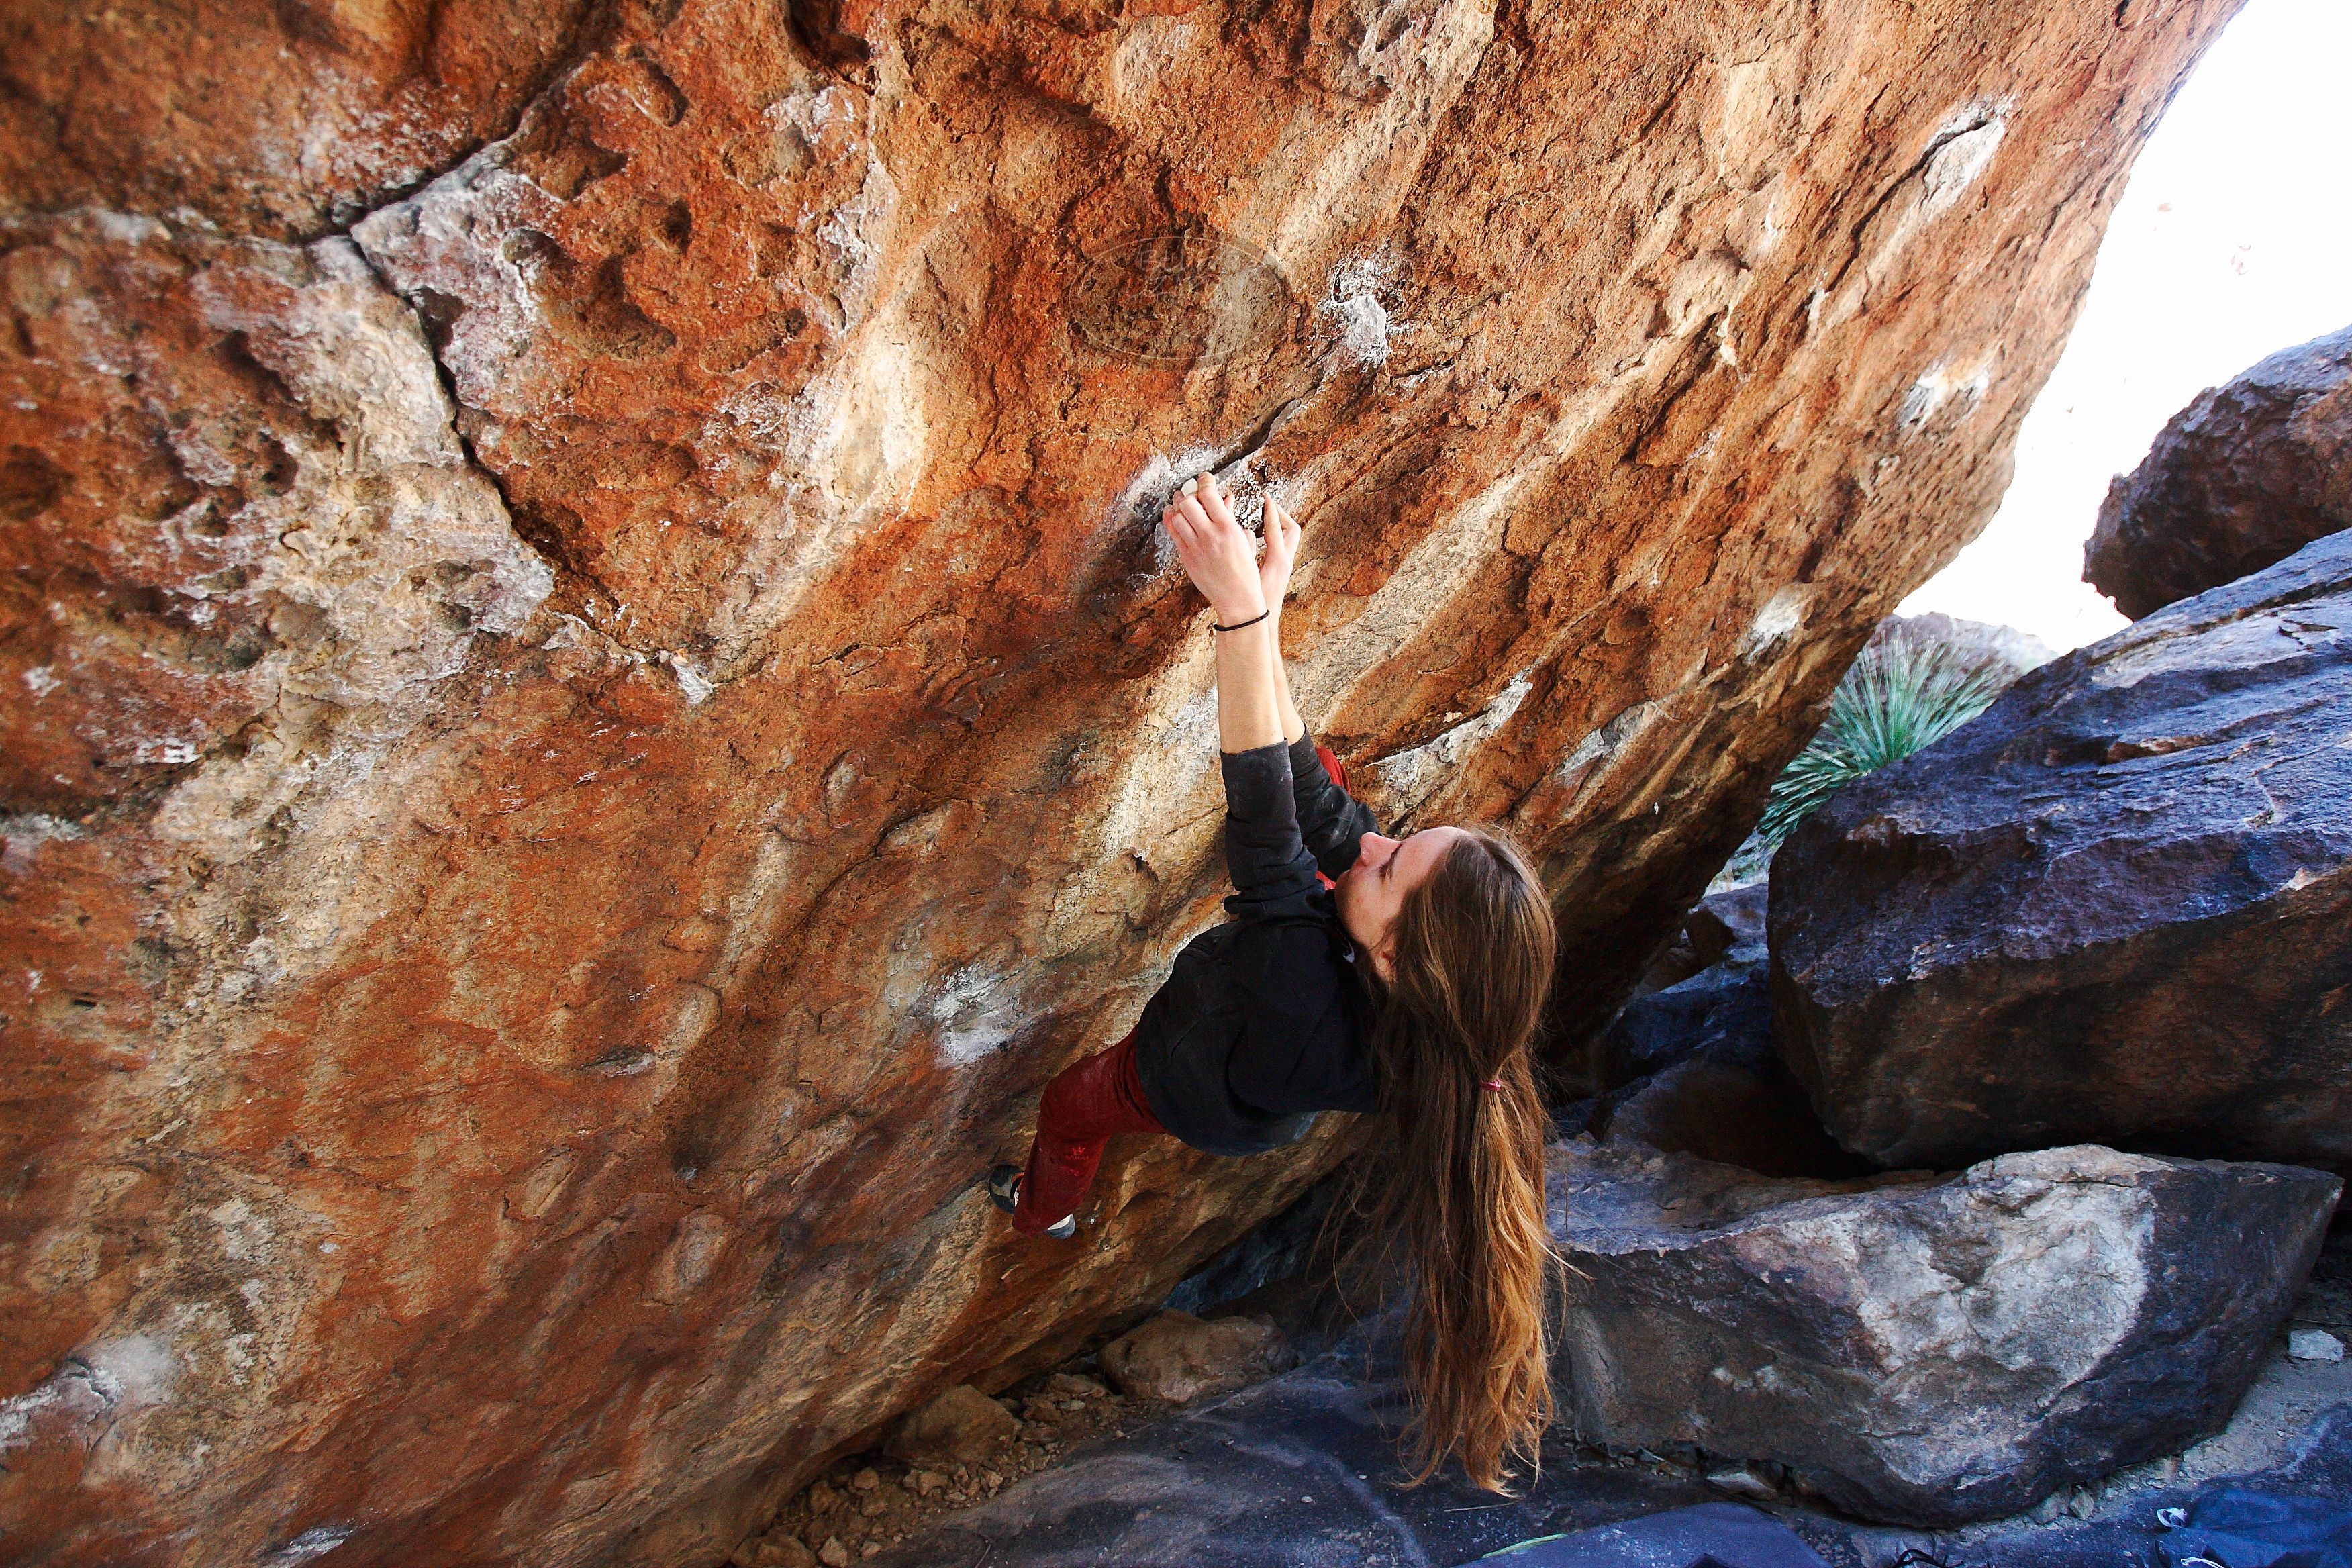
1408, 982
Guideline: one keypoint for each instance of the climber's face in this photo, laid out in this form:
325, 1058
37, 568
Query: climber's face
1372, 891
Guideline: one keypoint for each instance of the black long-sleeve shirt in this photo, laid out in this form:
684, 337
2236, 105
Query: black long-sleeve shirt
1262, 1020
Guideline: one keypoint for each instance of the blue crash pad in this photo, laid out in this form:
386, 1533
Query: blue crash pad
1712, 1535
2245, 1529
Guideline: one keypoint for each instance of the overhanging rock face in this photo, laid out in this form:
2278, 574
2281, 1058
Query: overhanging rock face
581, 747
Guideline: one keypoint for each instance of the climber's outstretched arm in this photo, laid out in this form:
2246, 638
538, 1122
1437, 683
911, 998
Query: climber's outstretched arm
1220, 559
1273, 580
1332, 823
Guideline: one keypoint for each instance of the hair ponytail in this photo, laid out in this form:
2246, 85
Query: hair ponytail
1460, 1203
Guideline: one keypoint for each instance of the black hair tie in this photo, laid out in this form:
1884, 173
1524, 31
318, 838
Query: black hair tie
1239, 625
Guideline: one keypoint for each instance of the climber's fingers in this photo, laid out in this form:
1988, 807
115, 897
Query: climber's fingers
1197, 544
1213, 500
1203, 525
1281, 527
1179, 526
1215, 518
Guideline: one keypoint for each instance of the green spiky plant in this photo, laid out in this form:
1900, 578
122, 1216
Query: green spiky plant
1901, 695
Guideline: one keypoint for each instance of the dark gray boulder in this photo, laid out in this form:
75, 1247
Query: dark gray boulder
2116, 907
1726, 1004
2240, 479
1694, 991
1924, 1350
1726, 927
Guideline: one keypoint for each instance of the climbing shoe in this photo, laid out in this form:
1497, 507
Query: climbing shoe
1004, 1192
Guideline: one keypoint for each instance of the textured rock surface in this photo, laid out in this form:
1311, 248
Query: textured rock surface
2240, 479
278, 119
578, 753
1726, 1004
1178, 1358
1928, 1352
962, 1425
1731, 918
1720, 946
2118, 906
1290, 1473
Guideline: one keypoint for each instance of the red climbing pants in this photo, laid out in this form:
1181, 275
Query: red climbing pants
1092, 1098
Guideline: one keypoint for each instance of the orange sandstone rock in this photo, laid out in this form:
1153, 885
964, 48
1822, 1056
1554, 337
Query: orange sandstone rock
580, 750
281, 119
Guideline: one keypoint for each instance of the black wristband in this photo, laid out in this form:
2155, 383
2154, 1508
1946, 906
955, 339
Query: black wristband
1239, 625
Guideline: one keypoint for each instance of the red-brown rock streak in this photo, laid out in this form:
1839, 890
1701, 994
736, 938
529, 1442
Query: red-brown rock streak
579, 752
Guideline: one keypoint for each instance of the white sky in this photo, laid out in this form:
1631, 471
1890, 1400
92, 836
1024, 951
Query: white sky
2232, 241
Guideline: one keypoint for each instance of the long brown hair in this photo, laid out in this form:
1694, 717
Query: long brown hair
1458, 1203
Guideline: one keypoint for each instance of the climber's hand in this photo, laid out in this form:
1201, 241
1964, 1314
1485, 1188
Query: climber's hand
1218, 554
1281, 554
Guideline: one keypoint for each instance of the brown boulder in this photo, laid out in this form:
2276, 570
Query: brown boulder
1178, 1357
775, 1552
2243, 477
576, 758
961, 1427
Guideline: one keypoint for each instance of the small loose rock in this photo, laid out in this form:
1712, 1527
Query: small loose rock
1179, 1357
1743, 1481
961, 1425
2314, 1344
777, 1551
896, 1494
